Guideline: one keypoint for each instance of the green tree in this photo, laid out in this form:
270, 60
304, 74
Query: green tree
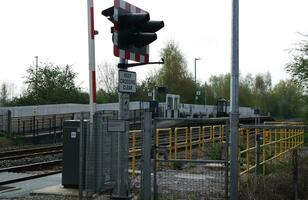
51, 84
288, 100
4, 94
245, 91
298, 67
220, 86
261, 89
174, 73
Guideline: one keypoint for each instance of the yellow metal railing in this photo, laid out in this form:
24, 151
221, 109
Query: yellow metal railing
183, 142
134, 148
163, 142
275, 144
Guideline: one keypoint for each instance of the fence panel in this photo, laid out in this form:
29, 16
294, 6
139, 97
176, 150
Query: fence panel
190, 174
263, 145
191, 179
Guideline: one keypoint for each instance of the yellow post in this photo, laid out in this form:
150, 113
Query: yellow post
297, 138
170, 143
190, 144
157, 145
134, 154
241, 138
211, 132
199, 142
157, 137
280, 143
223, 131
203, 141
302, 137
186, 143
220, 134
285, 142
175, 142
270, 145
256, 144
275, 146
263, 150
289, 139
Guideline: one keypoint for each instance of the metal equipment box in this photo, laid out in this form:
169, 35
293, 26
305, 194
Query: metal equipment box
71, 155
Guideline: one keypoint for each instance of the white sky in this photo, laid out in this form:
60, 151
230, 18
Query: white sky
56, 30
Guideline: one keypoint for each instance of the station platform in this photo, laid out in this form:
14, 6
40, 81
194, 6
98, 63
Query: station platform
25, 188
49, 186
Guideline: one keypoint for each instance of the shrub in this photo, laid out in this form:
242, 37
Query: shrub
278, 183
177, 165
214, 151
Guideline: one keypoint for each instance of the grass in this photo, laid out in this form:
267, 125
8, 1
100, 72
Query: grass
177, 165
4, 142
278, 184
214, 151
9, 141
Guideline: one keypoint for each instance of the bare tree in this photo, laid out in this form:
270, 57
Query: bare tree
107, 77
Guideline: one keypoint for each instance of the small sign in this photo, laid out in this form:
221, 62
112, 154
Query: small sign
116, 126
127, 81
73, 135
34, 110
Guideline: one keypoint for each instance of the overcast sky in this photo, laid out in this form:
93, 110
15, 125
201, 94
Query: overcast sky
56, 30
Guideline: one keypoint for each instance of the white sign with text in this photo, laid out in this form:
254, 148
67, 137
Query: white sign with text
127, 81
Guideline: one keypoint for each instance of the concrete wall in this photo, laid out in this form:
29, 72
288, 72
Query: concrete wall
24, 111
189, 109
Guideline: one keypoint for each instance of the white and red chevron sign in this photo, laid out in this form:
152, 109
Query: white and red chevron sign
135, 54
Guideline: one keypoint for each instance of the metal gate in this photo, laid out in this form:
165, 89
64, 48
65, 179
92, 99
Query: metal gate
191, 175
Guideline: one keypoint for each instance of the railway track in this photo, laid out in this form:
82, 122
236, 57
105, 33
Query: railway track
34, 170
18, 153
32, 167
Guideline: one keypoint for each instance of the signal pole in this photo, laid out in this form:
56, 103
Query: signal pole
121, 189
234, 115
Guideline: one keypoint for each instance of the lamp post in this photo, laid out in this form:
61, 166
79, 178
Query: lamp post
36, 66
196, 78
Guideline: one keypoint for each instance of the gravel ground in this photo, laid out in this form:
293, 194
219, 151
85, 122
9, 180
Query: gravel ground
192, 182
41, 197
24, 161
10, 148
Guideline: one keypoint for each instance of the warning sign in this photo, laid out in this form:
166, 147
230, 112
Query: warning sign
127, 81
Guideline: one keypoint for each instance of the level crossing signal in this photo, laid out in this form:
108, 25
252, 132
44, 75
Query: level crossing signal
133, 31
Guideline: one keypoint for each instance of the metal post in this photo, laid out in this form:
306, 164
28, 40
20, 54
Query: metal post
234, 117
295, 173
153, 93
9, 123
154, 161
226, 149
259, 139
121, 190
147, 140
196, 80
36, 66
81, 158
